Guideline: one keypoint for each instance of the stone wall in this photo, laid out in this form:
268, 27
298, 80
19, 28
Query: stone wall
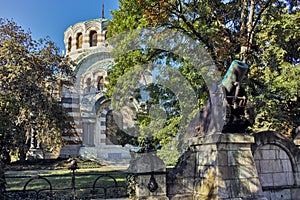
277, 163
149, 177
217, 166
265, 165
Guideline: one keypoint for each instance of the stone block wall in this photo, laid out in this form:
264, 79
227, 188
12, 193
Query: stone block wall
225, 168
149, 173
180, 184
277, 163
217, 166
234, 166
274, 166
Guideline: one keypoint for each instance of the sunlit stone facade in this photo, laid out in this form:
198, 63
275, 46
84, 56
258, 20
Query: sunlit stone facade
87, 47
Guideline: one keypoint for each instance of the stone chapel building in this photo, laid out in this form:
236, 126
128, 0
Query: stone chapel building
87, 47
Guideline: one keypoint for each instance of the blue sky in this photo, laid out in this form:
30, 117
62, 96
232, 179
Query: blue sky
52, 17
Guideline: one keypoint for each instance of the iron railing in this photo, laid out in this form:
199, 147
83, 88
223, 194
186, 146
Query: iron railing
67, 186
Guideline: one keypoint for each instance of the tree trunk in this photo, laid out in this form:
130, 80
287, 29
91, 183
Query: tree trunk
2, 180
22, 154
250, 32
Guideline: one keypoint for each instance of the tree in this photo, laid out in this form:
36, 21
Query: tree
30, 72
275, 71
262, 33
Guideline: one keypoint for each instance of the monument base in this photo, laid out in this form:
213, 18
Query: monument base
225, 168
35, 154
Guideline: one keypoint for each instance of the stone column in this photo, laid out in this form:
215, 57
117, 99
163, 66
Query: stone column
225, 168
149, 174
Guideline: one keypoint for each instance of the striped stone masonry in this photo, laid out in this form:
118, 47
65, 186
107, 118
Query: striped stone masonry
85, 102
84, 29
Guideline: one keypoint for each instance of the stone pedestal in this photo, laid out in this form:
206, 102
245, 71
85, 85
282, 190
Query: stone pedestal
225, 168
35, 154
149, 174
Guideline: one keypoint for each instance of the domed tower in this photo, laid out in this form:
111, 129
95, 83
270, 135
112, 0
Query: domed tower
87, 47
86, 36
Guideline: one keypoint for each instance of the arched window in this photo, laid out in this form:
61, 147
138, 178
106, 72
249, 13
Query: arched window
79, 40
69, 44
105, 35
88, 85
93, 38
104, 31
100, 83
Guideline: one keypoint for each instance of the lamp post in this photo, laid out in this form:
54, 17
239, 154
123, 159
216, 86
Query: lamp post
33, 141
73, 167
34, 151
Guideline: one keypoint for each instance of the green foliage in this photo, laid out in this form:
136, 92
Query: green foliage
29, 72
169, 153
264, 34
129, 16
275, 74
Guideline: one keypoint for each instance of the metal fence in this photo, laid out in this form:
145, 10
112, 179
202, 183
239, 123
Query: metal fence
69, 186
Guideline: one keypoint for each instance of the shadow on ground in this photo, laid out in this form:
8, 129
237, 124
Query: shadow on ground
51, 164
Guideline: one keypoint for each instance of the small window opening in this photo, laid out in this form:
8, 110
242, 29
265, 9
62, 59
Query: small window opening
100, 82
88, 85
79, 40
69, 44
93, 38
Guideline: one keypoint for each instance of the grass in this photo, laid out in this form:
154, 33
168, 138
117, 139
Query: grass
51, 164
63, 179
60, 177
